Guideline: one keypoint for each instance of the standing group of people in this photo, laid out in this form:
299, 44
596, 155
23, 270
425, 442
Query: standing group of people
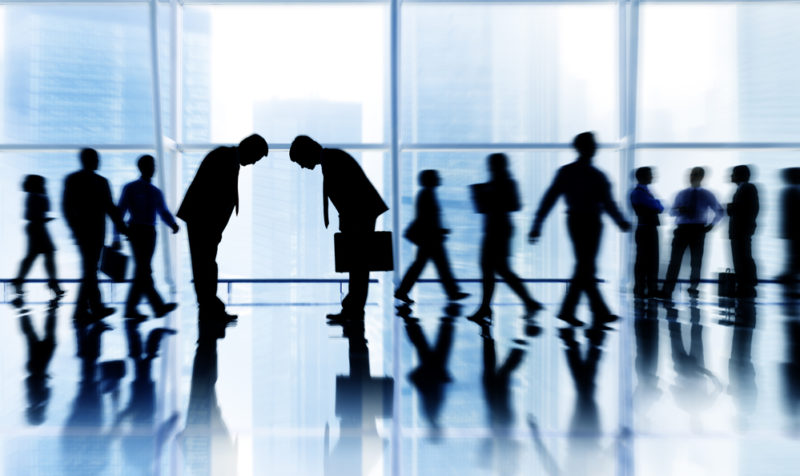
212, 198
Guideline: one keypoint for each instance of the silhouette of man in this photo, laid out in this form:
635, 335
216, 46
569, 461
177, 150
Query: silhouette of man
647, 207
790, 226
427, 232
207, 206
743, 211
86, 202
143, 200
588, 194
691, 208
355, 198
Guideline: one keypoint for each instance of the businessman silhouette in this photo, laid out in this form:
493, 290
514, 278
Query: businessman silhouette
207, 207
355, 198
588, 194
143, 200
647, 207
743, 211
427, 233
86, 202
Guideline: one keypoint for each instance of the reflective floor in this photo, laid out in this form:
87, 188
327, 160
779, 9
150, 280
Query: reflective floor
698, 388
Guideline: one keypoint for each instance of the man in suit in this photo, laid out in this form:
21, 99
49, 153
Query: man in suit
743, 211
355, 198
588, 194
86, 202
647, 208
207, 206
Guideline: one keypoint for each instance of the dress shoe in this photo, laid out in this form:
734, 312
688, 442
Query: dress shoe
135, 315
403, 297
693, 292
459, 295
571, 320
482, 315
344, 316
166, 309
103, 312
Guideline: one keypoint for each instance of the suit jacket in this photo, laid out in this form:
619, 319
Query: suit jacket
790, 201
348, 188
214, 192
86, 202
743, 211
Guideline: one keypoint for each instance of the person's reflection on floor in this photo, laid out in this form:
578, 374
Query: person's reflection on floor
696, 388
360, 400
645, 327
500, 451
431, 377
586, 455
143, 444
40, 353
205, 441
741, 371
85, 448
791, 368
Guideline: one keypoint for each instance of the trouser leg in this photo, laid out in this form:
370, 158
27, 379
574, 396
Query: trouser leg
679, 244
413, 272
696, 248
203, 244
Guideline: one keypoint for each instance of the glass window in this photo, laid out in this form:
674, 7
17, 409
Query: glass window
286, 70
508, 73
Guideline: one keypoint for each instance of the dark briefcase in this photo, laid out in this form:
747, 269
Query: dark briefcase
370, 251
113, 263
726, 284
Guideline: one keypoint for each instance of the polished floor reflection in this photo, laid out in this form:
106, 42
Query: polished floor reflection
696, 388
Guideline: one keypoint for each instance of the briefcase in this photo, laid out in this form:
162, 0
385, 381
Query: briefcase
113, 263
726, 284
370, 251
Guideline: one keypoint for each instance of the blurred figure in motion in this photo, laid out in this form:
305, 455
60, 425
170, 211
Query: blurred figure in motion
87, 200
790, 229
359, 204
741, 370
647, 207
431, 376
743, 211
645, 326
143, 200
588, 194
427, 233
691, 209
40, 353
207, 207
36, 207
496, 199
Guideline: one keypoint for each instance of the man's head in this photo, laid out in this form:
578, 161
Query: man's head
305, 152
90, 160
33, 184
740, 174
252, 149
585, 144
696, 176
498, 165
429, 178
791, 175
644, 175
147, 166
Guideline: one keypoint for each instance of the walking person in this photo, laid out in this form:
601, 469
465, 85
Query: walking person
496, 199
39, 243
691, 209
647, 208
86, 203
427, 233
143, 200
588, 194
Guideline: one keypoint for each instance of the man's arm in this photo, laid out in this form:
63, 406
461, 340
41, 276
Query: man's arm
124, 206
67, 203
547, 203
714, 205
642, 199
111, 210
611, 207
163, 211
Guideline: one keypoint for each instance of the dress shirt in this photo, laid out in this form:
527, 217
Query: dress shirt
646, 206
143, 200
692, 205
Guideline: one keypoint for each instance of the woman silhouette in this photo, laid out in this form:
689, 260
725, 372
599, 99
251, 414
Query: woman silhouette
495, 200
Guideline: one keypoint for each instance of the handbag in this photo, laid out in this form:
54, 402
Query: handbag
368, 251
113, 264
726, 284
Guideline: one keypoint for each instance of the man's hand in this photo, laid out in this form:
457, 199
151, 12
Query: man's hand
534, 235
708, 228
175, 228
625, 226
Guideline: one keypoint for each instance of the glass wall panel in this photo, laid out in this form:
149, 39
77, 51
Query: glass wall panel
284, 70
75, 74
719, 72
508, 73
